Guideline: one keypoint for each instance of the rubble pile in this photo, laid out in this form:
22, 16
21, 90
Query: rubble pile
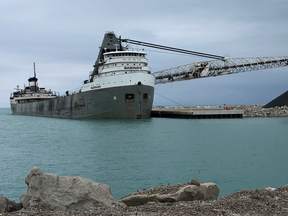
258, 111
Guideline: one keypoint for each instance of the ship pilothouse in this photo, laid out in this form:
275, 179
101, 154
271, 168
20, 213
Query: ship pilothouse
123, 62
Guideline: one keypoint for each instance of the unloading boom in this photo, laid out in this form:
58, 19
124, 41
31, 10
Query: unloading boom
218, 67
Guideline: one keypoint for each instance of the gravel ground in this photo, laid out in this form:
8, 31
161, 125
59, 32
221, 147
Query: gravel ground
247, 202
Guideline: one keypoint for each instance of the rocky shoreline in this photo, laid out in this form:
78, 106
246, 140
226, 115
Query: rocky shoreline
249, 110
267, 201
50, 194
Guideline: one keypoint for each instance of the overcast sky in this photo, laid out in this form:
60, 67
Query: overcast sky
63, 38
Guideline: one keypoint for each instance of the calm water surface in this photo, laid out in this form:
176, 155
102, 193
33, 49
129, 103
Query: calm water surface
130, 155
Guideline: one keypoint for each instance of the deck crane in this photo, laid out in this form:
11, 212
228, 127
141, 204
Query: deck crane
219, 66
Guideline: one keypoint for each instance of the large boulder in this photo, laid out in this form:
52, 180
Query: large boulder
7, 205
53, 192
205, 191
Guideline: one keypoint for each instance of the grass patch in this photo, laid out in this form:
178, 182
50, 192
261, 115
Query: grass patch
258, 196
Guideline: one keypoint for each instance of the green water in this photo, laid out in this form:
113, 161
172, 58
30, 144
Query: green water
131, 155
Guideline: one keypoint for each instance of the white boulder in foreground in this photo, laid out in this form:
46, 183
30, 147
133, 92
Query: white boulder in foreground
53, 192
205, 191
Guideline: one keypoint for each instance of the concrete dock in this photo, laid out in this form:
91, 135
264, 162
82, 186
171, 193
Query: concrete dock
197, 113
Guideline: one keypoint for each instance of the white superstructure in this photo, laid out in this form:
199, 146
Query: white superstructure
121, 68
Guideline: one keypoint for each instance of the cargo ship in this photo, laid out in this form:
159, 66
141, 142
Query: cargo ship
121, 86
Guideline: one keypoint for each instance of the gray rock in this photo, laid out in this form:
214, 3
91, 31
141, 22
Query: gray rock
53, 192
195, 182
206, 191
7, 205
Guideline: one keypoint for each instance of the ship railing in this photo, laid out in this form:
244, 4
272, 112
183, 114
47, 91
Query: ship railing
72, 92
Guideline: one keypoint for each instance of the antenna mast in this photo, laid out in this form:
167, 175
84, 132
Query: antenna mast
34, 70
35, 80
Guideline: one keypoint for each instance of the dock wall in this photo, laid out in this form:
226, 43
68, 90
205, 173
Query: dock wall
197, 114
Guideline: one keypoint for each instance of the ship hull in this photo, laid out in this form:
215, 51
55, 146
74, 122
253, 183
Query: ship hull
109, 103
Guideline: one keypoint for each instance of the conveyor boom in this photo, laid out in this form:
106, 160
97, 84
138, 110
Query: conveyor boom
218, 67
